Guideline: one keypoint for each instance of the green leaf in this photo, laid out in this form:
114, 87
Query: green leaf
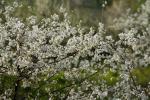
7, 81
142, 75
111, 78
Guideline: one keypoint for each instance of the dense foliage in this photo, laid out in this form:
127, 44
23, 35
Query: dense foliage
52, 59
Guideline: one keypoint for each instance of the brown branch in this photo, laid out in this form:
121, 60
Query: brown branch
16, 92
132, 78
68, 55
70, 85
17, 85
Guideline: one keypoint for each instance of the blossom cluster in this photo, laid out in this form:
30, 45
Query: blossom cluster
53, 59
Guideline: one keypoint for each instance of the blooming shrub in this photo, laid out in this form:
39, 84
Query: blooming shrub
51, 59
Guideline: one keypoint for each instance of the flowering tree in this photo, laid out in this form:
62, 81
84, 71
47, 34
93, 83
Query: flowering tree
51, 59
